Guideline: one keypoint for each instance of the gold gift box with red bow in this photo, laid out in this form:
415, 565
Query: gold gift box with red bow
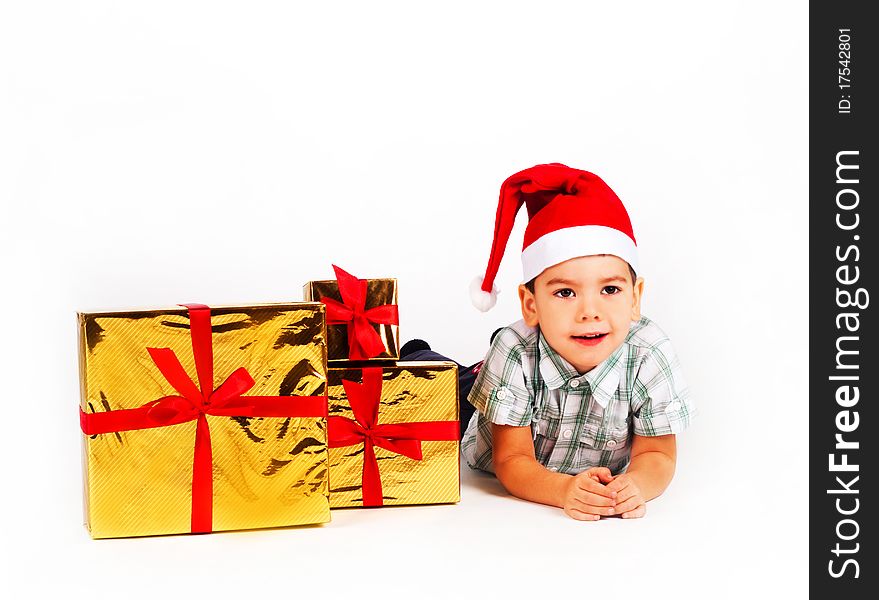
362, 318
393, 434
201, 419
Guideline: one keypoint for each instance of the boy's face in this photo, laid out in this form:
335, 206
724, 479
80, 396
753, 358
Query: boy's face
584, 307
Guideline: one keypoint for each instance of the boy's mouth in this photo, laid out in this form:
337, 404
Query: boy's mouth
591, 339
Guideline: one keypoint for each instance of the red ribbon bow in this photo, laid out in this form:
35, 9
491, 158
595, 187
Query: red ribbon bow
195, 403
400, 438
363, 341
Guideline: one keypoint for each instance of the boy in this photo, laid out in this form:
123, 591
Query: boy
579, 403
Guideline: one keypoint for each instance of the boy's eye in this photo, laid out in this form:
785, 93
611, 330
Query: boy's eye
564, 293
610, 289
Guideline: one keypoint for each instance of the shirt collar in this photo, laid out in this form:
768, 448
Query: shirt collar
603, 379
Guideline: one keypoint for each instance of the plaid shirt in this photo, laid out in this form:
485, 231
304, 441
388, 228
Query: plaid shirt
577, 421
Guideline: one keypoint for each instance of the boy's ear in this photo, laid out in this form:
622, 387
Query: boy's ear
638, 291
529, 306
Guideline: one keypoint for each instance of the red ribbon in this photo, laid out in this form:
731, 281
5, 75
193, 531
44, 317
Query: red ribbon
400, 438
363, 341
195, 403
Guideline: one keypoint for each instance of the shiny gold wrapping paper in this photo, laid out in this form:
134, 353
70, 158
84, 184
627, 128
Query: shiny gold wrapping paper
378, 293
411, 392
267, 472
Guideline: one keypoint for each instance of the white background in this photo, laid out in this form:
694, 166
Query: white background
224, 152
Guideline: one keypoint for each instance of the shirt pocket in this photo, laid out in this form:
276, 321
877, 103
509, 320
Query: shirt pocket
604, 438
547, 420
545, 431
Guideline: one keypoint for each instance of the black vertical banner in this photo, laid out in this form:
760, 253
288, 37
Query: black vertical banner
843, 367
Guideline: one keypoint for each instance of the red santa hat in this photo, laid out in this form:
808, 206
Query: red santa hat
571, 213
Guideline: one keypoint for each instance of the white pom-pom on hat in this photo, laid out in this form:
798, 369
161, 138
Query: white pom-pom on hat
482, 300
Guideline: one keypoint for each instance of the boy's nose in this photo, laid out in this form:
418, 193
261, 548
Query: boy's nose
588, 311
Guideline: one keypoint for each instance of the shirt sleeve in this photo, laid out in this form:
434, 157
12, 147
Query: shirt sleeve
500, 391
661, 402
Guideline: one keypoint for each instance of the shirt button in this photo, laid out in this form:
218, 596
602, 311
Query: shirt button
611, 444
501, 393
575, 383
675, 405
567, 433
553, 468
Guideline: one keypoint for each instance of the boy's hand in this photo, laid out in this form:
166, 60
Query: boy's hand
586, 496
630, 503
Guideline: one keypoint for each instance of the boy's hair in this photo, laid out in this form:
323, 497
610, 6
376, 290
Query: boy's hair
530, 285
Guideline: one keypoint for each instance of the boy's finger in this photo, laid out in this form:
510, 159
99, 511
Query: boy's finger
594, 499
628, 505
627, 492
580, 515
590, 485
619, 483
635, 514
603, 473
595, 509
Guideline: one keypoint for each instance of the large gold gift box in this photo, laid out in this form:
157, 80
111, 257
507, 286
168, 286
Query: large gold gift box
359, 311
203, 419
399, 444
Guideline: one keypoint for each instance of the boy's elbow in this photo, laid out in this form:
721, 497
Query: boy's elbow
512, 450
662, 448
509, 468
502, 463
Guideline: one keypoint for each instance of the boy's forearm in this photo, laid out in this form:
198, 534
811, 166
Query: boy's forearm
652, 471
526, 478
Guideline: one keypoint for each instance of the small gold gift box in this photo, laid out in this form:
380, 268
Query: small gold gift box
362, 318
